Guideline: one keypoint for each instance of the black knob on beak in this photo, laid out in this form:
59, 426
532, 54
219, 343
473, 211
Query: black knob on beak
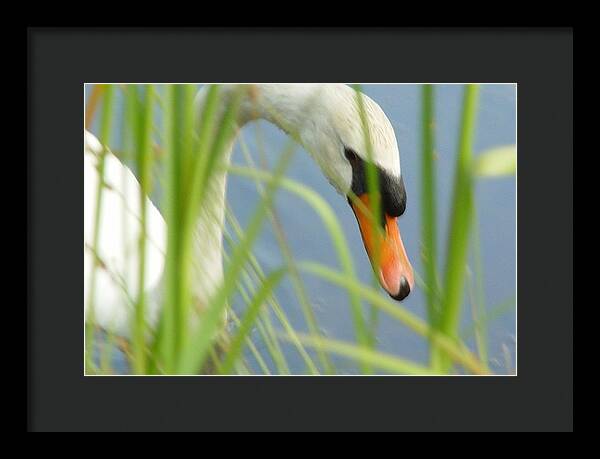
403, 291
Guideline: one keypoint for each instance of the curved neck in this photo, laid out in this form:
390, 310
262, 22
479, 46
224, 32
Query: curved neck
282, 105
208, 241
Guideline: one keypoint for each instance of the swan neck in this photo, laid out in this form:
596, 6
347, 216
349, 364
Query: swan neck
259, 101
208, 240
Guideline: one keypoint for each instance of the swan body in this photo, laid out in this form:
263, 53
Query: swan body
328, 124
117, 278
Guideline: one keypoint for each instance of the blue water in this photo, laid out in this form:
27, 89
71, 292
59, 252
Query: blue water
496, 209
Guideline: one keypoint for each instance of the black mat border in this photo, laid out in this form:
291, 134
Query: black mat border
540, 61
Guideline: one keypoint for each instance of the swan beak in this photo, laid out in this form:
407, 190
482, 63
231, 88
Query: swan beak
385, 250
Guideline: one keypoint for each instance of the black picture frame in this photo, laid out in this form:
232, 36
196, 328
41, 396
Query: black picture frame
60, 398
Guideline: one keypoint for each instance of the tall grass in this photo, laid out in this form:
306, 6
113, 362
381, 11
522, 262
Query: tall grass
296, 279
192, 338
107, 93
428, 204
460, 223
140, 105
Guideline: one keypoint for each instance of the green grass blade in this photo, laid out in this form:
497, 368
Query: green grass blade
178, 129
295, 278
460, 222
252, 276
253, 349
374, 204
246, 287
259, 276
105, 138
142, 105
190, 163
334, 229
450, 348
496, 162
491, 315
429, 212
236, 345
478, 294
193, 356
428, 203
375, 359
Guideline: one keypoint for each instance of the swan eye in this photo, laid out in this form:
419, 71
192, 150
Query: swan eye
351, 156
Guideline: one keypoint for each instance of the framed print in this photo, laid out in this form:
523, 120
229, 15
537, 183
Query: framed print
300, 241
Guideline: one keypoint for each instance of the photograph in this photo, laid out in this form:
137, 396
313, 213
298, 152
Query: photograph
300, 229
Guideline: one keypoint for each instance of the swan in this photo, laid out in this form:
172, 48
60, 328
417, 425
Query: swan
327, 121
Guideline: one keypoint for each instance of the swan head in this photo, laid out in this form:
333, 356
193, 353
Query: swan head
327, 120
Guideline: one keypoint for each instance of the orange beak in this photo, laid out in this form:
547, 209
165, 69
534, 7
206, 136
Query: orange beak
386, 251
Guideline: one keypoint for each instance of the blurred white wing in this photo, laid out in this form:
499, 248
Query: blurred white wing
117, 277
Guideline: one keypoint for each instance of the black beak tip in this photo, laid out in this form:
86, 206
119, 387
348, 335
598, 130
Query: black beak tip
403, 291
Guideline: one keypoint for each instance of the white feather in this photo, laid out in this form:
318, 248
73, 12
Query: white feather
326, 119
117, 277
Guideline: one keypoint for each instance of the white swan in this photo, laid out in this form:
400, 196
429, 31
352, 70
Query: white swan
328, 123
